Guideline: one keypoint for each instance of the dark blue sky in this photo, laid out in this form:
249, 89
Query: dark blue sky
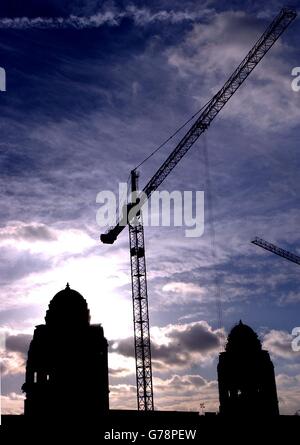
92, 88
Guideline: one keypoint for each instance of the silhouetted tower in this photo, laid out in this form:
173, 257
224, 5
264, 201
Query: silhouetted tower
246, 376
67, 367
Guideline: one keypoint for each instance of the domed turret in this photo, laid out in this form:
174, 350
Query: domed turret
241, 339
67, 307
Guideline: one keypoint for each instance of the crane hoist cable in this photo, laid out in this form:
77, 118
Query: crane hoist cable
172, 136
124, 197
212, 233
158, 148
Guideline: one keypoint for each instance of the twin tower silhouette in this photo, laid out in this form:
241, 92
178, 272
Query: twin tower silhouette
67, 367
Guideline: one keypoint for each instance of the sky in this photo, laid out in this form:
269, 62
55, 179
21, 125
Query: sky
93, 87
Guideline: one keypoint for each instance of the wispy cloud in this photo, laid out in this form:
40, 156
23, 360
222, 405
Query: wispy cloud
223, 42
73, 21
140, 16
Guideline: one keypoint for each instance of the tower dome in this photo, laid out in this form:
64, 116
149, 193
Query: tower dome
242, 338
67, 307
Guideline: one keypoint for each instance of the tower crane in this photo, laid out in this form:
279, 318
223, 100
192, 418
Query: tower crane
136, 231
277, 250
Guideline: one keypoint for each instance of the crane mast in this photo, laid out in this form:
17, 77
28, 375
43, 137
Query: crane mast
140, 307
277, 250
136, 231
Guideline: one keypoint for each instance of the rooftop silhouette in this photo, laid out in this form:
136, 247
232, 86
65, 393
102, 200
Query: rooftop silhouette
246, 376
67, 367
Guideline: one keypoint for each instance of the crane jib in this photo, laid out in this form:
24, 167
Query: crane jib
262, 46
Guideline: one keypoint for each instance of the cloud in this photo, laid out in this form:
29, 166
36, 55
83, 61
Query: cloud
279, 344
144, 16
242, 271
39, 238
13, 360
73, 21
36, 232
176, 392
19, 264
12, 383
197, 336
122, 396
292, 297
13, 364
18, 343
120, 366
140, 17
186, 392
180, 383
220, 55
178, 345
18, 315
28, 232
31, 249
12, 403
268, 102
288, 388
185, 291
119, 373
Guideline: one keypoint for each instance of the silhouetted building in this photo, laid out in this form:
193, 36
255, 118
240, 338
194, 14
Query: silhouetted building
67, 367
246, 376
